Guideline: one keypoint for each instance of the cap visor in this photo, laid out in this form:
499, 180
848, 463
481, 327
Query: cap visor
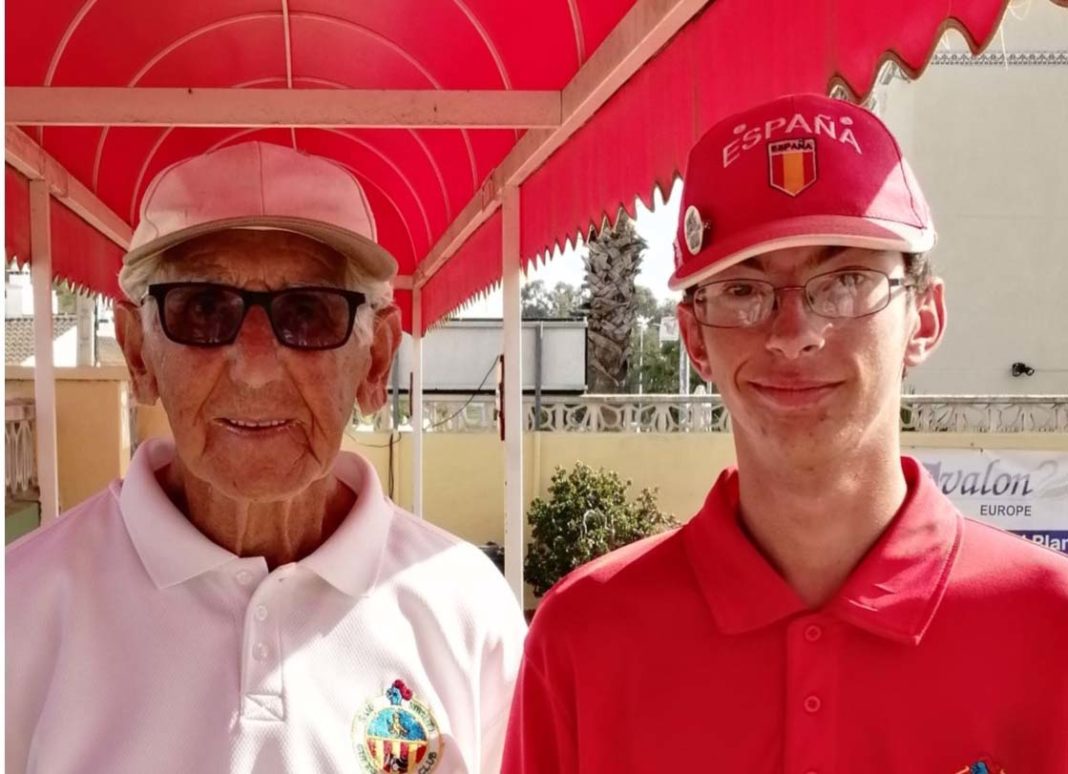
830, 230
371, 256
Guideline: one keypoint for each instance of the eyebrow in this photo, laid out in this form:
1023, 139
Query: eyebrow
818, 258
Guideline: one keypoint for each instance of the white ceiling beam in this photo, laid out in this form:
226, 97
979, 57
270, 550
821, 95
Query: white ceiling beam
111, 106
32, 162
646, 28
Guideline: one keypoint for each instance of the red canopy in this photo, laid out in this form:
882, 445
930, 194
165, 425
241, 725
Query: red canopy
418, 181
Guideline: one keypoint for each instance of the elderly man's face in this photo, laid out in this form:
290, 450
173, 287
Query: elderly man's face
212, 394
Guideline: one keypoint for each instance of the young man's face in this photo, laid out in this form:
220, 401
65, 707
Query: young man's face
806, 388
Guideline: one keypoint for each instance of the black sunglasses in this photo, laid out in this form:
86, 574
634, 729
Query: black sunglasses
204, 314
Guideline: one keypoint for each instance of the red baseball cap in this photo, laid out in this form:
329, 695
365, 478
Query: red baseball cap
798, 171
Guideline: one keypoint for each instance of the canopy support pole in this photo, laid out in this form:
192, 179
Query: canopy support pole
44, 374
512, 399
415, 395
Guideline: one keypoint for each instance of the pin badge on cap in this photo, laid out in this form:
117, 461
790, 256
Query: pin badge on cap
695, 230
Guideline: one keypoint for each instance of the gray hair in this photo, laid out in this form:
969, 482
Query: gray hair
135, 278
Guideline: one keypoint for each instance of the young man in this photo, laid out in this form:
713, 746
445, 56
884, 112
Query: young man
827, 610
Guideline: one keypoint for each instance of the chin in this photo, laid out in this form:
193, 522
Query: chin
260, 488
259, 478
802, 439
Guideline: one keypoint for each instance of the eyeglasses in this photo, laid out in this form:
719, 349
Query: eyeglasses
203, 314
745, 303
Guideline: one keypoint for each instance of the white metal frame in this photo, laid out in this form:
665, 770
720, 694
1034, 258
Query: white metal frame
512, 399
255, 107
44, 374
415, 395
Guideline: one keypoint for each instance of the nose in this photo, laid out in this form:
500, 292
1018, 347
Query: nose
254, 355
795, 331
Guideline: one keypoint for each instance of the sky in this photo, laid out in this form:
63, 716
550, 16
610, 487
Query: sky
657, 226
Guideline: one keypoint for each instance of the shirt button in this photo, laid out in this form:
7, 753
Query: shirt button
813, 632
260, 612
244, 577
260, 652
813, 704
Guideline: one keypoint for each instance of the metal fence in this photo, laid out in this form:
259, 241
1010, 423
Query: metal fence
20, 474
706, 413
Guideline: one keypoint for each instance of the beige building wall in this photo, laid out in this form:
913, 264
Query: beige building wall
92, 434
987, 139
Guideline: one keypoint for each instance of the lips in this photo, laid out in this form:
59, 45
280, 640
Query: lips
253, 425
793, 393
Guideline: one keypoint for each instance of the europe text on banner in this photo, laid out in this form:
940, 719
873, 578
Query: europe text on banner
1025, 492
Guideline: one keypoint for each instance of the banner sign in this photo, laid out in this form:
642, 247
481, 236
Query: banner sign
1025, 492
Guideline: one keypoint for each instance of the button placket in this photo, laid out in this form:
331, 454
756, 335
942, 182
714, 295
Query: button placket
811, 680
263, 694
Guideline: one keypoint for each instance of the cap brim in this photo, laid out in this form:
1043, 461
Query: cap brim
811, 230
372, 257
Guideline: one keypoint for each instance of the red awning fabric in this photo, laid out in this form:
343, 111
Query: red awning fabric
80, 254
417, 180
16, 216
472, 271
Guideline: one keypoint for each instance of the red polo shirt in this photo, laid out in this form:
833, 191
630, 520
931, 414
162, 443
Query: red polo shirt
945, 652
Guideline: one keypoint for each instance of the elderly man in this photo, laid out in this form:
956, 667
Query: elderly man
247, 599
827, 610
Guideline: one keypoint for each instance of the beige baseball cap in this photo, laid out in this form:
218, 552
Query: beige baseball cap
257, 185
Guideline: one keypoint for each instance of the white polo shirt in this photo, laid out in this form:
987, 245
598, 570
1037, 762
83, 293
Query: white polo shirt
135, 644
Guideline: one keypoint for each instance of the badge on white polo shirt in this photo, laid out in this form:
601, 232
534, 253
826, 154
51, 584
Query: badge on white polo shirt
985, 765
396, 732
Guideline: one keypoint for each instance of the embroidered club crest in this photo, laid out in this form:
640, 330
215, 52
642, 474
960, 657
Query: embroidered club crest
792, 165
396, 733
694, 228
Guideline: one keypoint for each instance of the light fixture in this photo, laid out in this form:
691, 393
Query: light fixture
1022, 369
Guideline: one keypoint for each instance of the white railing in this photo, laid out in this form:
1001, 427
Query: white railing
629, 413
706, 413
20, 475
985, 413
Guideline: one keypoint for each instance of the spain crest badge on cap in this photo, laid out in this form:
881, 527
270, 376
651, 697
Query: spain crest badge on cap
792, 165
396, 732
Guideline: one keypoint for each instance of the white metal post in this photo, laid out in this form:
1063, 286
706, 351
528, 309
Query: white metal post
44, 376
416, 398
512, 400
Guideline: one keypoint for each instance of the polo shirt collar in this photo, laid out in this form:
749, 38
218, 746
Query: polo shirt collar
173, 551
351, 558
894, 592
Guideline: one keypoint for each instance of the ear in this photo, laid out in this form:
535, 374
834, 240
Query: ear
131, 337
930, 324
694, 339
371, 392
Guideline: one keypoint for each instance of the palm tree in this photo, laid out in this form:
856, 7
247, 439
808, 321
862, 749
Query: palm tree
612, 263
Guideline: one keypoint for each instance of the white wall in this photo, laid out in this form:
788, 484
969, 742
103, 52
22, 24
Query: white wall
989, 143
458, 354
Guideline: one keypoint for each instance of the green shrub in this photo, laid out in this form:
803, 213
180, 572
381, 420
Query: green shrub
587, 514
